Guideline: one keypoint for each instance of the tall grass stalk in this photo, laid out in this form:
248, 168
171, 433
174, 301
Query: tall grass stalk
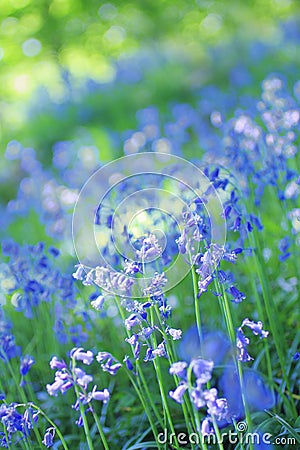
225, 308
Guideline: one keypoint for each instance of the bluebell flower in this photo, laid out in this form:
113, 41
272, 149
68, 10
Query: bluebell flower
197, 396
296, 356
202, 369
178, 368
175, 334
132, 321
62, 382
147, 331
284, 246
56, 364
216, 407
256, 222
203, 285
237, 295
54, 251
132, 267
89, 278
133, 339
80, 355
11, 419
242, 342
26, 363
128, 363
15, 422
82, 379
206, 427
137, 349
30, 417
149, 354
98, 302
8, 347
102, 396
179, 392
160, 351
237, 224
157, 282
222, 276
48, 437
79, 422
150, 249
256, 328
109, 363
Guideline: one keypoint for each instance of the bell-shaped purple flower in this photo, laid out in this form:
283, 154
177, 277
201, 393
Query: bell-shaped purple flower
237, 295
256, 328
179, 369
202, 369
179, 392
27, 362
56, 364
206, 427
102, 396
48, 437
79, 355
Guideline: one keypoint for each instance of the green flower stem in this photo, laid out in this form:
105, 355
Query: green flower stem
225, 306
82, 411
146, 408
270, 306
196, 413
273, 317
199, 328
157, 367
100, 429
186, 406
197, 307
265, 343
218, 434
139, 369
238, 433
6, 437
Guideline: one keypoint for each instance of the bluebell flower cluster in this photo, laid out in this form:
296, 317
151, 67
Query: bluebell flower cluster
8, 347
17, 425
33, 277
74, 377
201, 397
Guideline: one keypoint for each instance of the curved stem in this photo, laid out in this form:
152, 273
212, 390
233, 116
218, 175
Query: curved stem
59, 434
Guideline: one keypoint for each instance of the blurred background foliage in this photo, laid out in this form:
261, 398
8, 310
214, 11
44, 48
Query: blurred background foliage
68, 64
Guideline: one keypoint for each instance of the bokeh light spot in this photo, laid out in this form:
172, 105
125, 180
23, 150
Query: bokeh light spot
31, 47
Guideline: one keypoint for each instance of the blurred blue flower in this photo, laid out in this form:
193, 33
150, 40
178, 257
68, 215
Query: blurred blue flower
215, 346
257, 393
